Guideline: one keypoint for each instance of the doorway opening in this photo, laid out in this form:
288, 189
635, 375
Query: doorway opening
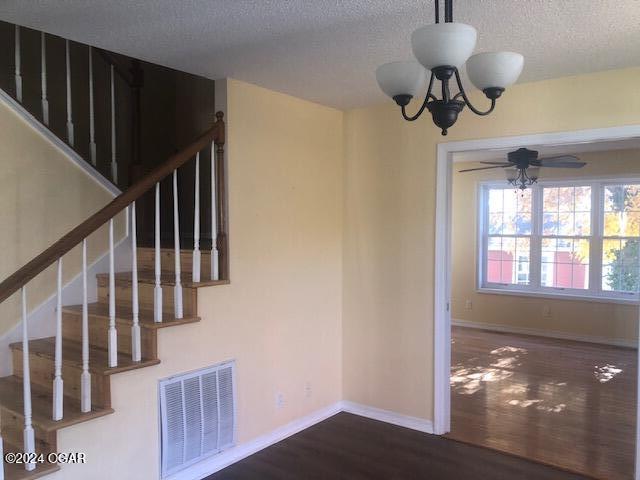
537, 301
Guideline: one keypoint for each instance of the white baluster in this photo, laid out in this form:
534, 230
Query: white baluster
43, 69
113, 335
215, 269
177, 290
29, 445
157, 297
114, 165
57, 375
18, 75
70, 135
85, 378
136, 348
92, 119
196, 224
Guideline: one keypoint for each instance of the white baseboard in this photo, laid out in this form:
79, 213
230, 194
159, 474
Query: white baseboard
235, 454
619, 342
387, 416
218, 462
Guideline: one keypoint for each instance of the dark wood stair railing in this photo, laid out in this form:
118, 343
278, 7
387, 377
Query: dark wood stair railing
215, 135
151, 297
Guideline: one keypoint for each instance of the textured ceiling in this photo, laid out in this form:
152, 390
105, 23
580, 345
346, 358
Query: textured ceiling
327, 50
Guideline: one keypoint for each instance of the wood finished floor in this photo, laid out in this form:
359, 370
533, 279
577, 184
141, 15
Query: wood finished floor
355, 448
563, 403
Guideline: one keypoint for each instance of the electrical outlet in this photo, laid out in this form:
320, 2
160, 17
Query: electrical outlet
468, 305
280, 401
307, 390
546, 311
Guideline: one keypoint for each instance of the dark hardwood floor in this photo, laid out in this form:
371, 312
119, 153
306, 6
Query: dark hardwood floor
350, 447
563, 403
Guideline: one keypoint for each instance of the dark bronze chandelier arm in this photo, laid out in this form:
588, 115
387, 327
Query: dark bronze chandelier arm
424, 104
463, 94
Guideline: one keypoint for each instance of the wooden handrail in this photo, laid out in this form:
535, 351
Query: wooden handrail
26, 273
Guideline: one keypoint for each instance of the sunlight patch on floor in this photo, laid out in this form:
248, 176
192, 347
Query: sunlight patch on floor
539, 405
507, 362
467, 381
606, 373
507, 349
515, 389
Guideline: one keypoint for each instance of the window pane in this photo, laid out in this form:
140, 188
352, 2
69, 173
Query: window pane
582, 224
550, 224
620, 265
524, 200
550, 199
566, 211
508, 260
523, 223
496, 200
509, 212
622, 210
566, 199
565, 223
583, 199
565, 263
509, 223
495, 223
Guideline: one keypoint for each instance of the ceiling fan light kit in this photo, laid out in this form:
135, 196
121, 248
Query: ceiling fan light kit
441, 49
522, 167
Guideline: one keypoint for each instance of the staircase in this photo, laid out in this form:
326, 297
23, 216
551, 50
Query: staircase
64, 380
41, 354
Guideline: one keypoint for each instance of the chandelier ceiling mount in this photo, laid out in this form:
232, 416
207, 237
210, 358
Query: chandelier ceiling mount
440, 49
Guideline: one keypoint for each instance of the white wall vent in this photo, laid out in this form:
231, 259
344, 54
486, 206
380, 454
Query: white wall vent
197, 415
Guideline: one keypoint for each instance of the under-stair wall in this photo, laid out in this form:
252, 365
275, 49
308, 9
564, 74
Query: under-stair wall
45, 190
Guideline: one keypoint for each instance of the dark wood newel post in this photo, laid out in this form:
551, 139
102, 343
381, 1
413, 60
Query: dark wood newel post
221, 194
137, 82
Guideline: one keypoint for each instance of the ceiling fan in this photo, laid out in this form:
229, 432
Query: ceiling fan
523, 166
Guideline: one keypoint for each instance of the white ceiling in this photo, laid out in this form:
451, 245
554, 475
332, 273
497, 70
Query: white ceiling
327, 50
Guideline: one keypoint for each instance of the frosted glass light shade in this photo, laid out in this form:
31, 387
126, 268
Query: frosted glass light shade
443, 44
494, 69
401, 78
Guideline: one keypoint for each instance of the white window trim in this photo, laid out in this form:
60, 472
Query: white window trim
535, 289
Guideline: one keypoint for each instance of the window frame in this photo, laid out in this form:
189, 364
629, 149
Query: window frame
535, 288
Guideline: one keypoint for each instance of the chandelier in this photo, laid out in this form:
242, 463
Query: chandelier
441, 49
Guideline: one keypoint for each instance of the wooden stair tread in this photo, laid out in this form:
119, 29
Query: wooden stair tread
124, 315
166, 278
72, 354
11, 398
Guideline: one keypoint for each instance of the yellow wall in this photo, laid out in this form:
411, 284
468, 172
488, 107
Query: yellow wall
390, 169
280, 317
43, 195
583, 318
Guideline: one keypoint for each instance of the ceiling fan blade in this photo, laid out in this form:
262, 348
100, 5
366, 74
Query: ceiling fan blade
497, 163
484, 168
564, 165
559, 158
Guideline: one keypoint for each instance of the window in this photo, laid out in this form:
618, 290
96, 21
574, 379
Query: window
562, 238
509, 237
